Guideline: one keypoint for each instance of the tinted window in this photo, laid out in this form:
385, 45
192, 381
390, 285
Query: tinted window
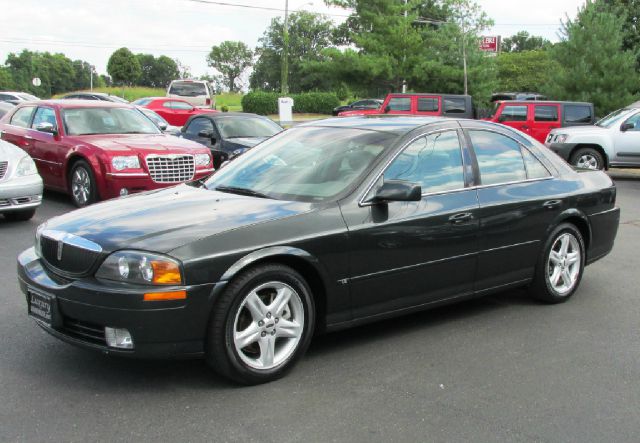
546, 113
400, 104
22, 117
199, 124
434, 162
428, 104
231, 127
635, 120
535, 169
6, 97
514, 114
142, 101
577, 114
499, 158
179, 105
455, 106
188, 89
45, 115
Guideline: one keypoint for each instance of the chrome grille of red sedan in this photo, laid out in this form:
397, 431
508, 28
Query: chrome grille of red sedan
171, 168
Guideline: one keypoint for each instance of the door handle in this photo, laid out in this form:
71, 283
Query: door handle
462, 217
552, 204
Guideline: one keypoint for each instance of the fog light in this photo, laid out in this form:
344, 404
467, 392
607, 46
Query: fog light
118, 338
123, 192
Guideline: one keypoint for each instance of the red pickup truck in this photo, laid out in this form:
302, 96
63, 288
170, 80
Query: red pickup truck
448, 105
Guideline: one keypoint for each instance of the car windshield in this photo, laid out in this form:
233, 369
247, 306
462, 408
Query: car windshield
142, 101
235, 127
304, 164
610, 119
187, 89
115, 98
85, 121
157, 119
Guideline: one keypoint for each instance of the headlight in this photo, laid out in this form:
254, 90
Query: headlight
202, 159
125, 162
26, 167
560, 138
142, 268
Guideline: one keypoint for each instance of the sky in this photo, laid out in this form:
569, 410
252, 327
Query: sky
186, 29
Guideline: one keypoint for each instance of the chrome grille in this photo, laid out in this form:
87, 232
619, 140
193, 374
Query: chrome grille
68, 254
3, 168
171, 168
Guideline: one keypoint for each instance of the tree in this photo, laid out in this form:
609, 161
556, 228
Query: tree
54, 70
523, 41
595, 69
231, 59
123, 67
157, 72
6, 81
525, 71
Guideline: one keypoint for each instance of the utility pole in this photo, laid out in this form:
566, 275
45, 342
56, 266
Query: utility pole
91, 77
284, 75
404, 56
464, 59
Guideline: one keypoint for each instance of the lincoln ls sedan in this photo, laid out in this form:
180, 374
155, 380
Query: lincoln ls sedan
328, 225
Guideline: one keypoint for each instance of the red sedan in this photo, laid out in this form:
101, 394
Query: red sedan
174, 110
97, 150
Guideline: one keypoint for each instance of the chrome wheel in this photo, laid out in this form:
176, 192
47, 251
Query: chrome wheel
564, 263
81, 185
268, 325
587, 161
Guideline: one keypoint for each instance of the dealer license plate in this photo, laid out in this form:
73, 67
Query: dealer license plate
41, 306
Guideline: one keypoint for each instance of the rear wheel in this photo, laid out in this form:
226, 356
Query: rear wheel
82, 184
24, 215
587, 158
560, 266
261, 325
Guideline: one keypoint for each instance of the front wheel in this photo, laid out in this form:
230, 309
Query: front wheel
82, 184
587, 158
261, 325
560, 266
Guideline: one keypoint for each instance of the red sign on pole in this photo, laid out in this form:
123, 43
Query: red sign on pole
490, 44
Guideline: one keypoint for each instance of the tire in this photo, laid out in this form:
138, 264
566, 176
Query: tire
82, 184
24, 215
558, 274
588, 158
252, 337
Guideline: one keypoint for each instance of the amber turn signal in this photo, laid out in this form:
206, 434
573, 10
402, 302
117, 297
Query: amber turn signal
166, 273
165, 296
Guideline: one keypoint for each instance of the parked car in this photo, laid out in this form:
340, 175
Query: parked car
96, 150
327, 225
5, 107
613, 142
95, 96
367, 103
538, 118
175, 111
229, 134
447, 105
160, 122
197, 92
16, 97
20, 184
499, 96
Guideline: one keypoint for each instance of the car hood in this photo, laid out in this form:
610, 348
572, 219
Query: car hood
579, 130
359, 112
10, 152
147, 143
166, 219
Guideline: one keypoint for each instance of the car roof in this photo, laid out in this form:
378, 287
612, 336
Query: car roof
425, 94
76, 103
384, 123
543, 102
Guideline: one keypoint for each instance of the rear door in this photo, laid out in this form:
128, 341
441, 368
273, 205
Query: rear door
516, 116
545, 118
17, 129
427, 105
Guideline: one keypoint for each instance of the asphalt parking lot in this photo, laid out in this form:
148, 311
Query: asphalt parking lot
500, 368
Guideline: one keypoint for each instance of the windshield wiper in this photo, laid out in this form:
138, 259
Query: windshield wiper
241, 191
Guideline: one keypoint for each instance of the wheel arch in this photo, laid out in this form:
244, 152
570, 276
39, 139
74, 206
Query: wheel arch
91, 159
579, 220
598, 147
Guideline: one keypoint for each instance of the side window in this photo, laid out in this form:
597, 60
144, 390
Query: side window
499, 158
199, 124
635, 120
514, 114
428, 104
181, 105
454, 105
22, 117
433, 161
168, 105
6, 97
546, 113
45, 115
577, 114
400, 104
535, 169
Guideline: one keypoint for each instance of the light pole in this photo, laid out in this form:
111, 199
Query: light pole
284, 75
91, 68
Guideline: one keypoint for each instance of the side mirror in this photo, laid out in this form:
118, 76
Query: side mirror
387, 109
205, 133
397, 190
162, 126
627, 126
46, 127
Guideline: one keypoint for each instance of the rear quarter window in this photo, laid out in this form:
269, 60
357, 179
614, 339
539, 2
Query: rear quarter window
455, 106
577, 114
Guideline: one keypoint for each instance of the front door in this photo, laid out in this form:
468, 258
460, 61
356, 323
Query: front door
627, 143
47, 150
406, 254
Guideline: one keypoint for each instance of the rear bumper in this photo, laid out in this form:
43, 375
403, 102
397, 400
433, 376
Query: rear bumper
114, 182
604, 228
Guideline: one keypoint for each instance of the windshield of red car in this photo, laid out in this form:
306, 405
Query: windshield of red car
86, 121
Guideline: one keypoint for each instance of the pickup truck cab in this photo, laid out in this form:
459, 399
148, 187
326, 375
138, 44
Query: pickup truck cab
447, 105
613, 141
538, 118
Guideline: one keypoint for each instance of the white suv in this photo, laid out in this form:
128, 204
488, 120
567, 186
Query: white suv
613, 141
196, 92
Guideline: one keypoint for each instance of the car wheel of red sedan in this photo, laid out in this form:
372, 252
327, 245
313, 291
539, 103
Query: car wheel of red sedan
82, 184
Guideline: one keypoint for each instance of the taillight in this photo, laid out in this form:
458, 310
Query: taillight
208, 101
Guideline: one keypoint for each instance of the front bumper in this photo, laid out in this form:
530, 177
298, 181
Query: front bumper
564, 150
138, 182
84, 307
20, 193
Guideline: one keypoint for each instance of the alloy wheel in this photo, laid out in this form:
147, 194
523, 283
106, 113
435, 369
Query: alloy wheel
587, 161
81, 185
564, 263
